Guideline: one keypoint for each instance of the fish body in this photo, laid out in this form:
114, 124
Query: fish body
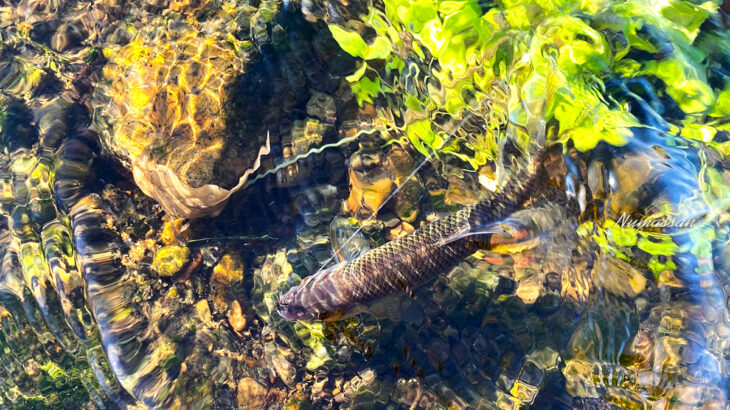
411, 260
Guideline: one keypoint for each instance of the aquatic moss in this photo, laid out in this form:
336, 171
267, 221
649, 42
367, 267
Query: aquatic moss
61, 389
16, 130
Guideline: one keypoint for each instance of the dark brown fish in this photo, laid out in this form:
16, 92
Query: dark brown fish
412, 260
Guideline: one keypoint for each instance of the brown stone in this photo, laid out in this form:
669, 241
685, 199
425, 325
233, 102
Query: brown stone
236, 317
251, 394
226, 274
367, 192
404, 228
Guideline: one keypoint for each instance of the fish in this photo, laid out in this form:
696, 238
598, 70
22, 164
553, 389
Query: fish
348, 288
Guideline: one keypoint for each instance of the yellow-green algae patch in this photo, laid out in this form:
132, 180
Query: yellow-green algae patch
170, 259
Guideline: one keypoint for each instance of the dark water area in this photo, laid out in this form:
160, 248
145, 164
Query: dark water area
393, 204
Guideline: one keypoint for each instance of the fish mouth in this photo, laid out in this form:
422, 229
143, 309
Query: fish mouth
283, 312
282, 308
286, 307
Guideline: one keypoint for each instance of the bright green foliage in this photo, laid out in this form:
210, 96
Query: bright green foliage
553, 57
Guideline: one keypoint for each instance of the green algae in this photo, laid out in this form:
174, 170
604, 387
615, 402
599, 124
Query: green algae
170, 259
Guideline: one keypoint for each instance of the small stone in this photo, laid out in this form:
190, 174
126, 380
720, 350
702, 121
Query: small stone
370, 183
174, 232
236, 317
367, 376
170, 259
203, 311
322, 106
458, 193
318, 388
148, 243
276, 397
406, 204
68, 36
367, 192
226, 273
137, 251
528, 290
404, 228
306, 134
251, 394
284, 370
400, 164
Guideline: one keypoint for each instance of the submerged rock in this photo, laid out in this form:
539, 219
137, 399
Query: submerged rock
251, 394
166, 114
370, 183
192, 102
170, 259
16, 130
226, 278
236, 317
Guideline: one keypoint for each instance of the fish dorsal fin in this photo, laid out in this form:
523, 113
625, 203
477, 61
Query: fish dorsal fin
348, 242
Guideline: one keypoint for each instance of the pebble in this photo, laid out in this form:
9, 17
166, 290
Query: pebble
251, 394
402, 229
458, 192
173, 232
226, 273
370, 183
284, 370
318, 388
406, 204
236, 317
203, 311
367, 193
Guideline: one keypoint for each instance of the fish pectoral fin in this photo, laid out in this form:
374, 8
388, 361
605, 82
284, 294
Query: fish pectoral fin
488, 229
348, 242
331, 316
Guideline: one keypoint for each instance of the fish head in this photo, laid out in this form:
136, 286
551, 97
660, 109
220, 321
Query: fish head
290, 306
316, 298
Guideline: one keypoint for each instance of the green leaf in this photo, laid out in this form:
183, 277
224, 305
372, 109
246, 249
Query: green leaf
351, 42
357, 75
365, 89
380, 49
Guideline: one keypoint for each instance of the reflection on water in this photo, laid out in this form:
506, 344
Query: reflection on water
170, 170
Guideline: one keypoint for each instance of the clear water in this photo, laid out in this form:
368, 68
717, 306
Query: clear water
117, 292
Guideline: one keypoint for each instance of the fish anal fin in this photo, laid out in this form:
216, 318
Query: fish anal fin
389, 307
